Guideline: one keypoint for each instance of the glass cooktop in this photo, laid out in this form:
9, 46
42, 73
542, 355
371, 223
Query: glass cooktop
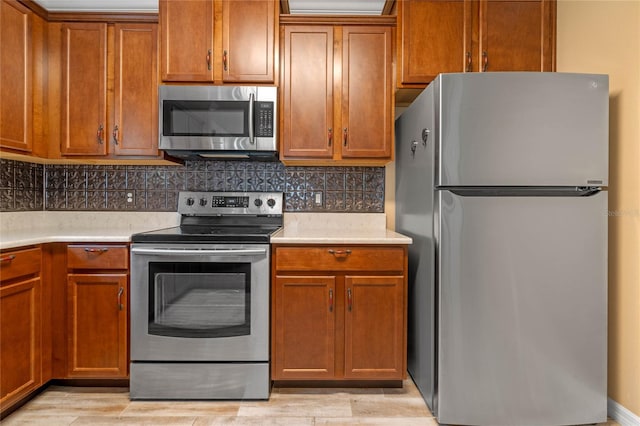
208, 234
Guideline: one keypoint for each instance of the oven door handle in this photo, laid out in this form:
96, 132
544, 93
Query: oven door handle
203, 252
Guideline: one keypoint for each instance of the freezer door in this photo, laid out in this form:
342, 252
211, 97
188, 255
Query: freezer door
522, 129
522, 310
414, 218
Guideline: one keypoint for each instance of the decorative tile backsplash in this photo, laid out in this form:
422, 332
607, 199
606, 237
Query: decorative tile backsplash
26, 186
21, 186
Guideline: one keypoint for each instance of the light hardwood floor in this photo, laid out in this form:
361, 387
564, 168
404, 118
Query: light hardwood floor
59, 405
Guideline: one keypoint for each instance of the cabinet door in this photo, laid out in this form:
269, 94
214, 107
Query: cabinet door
187, 40
248, 41
97, 325
84, 94
15, 76
307, 92
374, 328
366, 92
435, 37
304, 328
516, 35
135, 129
19, 340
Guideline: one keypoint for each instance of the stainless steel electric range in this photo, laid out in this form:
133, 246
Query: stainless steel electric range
200, 299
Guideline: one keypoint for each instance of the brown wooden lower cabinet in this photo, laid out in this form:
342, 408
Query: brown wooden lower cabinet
97, 330
20, 324
304, 327
97, 325
374, 327
63, 315
339, 313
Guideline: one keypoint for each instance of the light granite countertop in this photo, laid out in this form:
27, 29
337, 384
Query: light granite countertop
27, 228
337, 228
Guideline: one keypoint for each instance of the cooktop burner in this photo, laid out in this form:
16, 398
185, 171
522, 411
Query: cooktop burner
221, 217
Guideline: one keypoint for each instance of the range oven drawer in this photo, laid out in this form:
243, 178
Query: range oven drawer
183, 380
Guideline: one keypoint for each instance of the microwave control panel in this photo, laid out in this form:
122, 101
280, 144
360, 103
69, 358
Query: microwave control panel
263, 119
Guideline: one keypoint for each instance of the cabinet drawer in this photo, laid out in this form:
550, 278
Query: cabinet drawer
97, 256
339, 258
19, 263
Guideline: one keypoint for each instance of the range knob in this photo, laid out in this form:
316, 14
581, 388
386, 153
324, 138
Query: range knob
257, 202
190, 201
203, 202
271, 202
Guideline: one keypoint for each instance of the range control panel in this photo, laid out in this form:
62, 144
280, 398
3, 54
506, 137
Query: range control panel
230, 203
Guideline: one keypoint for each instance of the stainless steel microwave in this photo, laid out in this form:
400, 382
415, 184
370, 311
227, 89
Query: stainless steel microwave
217, 122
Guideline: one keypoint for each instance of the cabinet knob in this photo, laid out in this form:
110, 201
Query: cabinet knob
120, 305
485, 61
468, 68
330, 136
340, 253
7, 259
330, 300
115, 134
349, 299
95, 250
345, 136
100, 133
224, 60
209, 59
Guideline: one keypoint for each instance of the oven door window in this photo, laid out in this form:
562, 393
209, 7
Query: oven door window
199, 300
205, 118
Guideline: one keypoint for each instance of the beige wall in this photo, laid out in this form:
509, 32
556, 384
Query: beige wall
604, 37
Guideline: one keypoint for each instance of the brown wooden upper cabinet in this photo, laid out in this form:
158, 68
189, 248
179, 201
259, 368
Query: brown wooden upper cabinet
236, 44
98, 121
15, 76
438, 36
336, 93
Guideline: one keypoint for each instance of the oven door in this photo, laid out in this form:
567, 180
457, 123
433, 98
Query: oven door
199, 302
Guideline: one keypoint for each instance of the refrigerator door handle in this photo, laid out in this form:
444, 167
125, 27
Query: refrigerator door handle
506, 191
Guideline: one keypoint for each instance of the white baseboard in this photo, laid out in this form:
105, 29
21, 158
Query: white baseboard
621, 415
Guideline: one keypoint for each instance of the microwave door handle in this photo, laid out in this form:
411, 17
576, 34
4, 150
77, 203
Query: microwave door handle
251, 121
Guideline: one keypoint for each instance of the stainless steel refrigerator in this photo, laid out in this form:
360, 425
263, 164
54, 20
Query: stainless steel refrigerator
501, 182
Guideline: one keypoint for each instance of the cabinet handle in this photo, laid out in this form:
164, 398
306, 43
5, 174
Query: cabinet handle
485, 61
120, 305
7, 259
345, 137
340, 253
224, 60
349, 299
99, 134
95, 250
330, 135
330, 300
468, 68
115, 134
209, 59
